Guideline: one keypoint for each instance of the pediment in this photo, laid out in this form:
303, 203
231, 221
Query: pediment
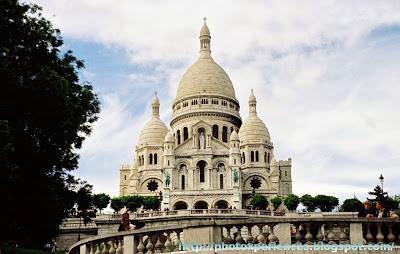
185, 148
218, 145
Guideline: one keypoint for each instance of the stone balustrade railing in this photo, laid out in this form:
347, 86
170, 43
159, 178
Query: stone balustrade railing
193, 212
268, 230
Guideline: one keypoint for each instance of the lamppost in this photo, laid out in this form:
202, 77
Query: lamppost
381, 178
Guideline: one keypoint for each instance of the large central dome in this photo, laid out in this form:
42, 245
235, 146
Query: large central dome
205, 76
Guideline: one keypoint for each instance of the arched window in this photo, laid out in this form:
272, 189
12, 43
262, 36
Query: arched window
185, 134
151, 158
168, 162
244, 157
183, 182
268, 158
215, 131
142, 160
155, 158
202, 166
257, 156
125, 175
178, 137
225, 134
221, 181
252, 156
265, 157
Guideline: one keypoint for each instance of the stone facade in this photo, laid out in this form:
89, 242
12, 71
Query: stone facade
208, 158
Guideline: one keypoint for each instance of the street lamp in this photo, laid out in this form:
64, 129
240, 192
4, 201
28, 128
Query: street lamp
381, 178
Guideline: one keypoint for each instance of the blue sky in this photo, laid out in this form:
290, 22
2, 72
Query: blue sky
326, 76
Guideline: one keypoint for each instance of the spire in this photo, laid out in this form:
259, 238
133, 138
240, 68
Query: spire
155, 105
252, 104
205, 51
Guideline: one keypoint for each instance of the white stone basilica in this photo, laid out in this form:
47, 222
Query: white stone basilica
209, 158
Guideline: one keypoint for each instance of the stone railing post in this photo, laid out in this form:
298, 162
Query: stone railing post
203, 234
356, 233
282, 231
83, 249
130, 245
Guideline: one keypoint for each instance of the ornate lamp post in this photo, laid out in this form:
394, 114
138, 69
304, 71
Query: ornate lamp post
381, 178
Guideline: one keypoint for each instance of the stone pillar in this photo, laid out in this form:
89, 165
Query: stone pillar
130, 245
203, 235
356, 233
83, 249
282, 231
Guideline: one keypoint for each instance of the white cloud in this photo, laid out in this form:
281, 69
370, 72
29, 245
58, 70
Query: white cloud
327, 89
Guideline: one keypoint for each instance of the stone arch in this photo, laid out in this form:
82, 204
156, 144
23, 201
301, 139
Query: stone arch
201, 166
265, 184
221, 204
200, 204
180, 205
144, 187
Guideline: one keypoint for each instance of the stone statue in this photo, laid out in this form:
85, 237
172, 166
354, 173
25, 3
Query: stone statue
202, 140
221, 167
167, 179
235, 176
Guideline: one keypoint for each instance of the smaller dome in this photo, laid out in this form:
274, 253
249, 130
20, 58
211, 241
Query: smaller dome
253, 130
153, 132
234, 136
169, 138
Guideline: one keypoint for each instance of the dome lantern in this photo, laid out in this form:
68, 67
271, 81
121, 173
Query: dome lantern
252, 104
155, 105
205, 39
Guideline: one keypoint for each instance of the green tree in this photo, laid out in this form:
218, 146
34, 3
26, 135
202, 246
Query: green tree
84, 202
151, 203
132, 203
309, 202
45, 115
291, 201
378, 193
117, 204
326, 203
101, 201
352, 205
259, 201
276, 202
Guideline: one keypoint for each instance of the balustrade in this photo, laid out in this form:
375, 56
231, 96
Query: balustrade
273, 230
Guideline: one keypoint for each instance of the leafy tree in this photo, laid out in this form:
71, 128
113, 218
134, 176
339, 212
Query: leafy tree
309, 202
352, 205
259, 201
117, 204
151, 203
378, 193
84, 202
291, 201
101, 201
132, 203
276, 201
45, 115
326, 203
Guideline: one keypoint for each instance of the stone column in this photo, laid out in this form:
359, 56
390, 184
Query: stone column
83, 249
130, 245
356, 233
282, 231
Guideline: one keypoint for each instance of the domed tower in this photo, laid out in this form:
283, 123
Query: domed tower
256, 151
149, 152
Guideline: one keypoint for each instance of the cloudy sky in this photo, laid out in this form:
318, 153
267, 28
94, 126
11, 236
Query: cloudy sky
326, 75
